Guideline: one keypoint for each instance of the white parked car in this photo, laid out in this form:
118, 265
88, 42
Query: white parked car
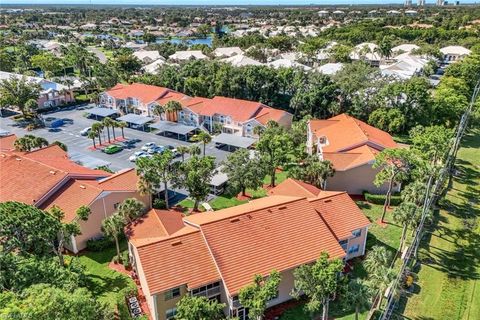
136, 155
85, 131
148, 145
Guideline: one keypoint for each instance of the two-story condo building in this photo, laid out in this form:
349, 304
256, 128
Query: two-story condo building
234, 116
47, 177
351, 145
216, 254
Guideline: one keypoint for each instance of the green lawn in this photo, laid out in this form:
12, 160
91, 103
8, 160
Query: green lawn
106, 284
448, 286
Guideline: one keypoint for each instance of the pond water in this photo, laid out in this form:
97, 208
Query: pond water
188, 42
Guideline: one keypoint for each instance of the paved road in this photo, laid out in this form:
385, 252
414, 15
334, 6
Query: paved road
70, 135
100, 55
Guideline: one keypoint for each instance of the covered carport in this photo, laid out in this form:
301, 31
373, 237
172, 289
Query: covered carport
179, 129
136, 121
87, 161
231, 140
101, 112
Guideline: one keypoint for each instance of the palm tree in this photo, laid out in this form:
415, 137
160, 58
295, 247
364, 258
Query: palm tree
405, 215
112, 226
183, 150
92, 135
203, 137
358, 295
130, 208
194, 150
380, 281
376, 258
98, 128
107, 122
121, 125
157, 110
172, 107
40, 142
114, 124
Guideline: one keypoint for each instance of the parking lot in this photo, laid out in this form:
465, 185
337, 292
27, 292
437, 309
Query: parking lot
79, 145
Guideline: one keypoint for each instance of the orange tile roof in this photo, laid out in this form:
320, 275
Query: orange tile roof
297, 188
71, 196
121, 181
353, 158
345, 132
143, 92
154, 225
173, 96
26, 180
178, 260
341, 214
240, 110
267, 114
6, 142
282, 236
55, 157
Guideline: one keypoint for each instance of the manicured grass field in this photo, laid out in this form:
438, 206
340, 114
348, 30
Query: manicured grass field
107, 285
449, 286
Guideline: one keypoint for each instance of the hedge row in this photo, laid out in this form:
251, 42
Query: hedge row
395, 199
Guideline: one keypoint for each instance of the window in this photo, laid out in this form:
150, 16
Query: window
182, 115
172, 294
357, 233
170, 313
354, 249
343, 244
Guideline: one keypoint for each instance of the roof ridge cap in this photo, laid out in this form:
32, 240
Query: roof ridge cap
116, 174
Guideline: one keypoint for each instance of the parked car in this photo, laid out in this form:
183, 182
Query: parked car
156, 149
148, 145
136, 155
128, 144
173, 149
114, 148
85, 131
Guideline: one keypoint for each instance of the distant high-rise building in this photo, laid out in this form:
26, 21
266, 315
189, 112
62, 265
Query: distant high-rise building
421, 3
408, 3
440, 2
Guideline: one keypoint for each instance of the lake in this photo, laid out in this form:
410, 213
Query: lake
188, 42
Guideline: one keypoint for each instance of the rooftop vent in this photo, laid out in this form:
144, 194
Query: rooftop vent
82, 186
328, 200
234, 220
176, 243
52, 171
18, 159
249, 216
282, 208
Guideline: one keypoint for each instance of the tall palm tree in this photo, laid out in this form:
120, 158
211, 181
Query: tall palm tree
203, 137
376, 258
358, 295
405, 215
380, 281
112, 226
98, 128
122, 125
114, 124
130, 208
183, 150
107, 122
172, 107
157, 110
194, 150
92, 135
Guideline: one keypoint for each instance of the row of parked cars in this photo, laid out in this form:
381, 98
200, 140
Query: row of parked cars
151, 148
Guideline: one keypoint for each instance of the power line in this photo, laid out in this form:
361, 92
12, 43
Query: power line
431, 196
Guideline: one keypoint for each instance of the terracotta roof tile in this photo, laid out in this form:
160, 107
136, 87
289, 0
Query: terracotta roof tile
6, 142
71, 196
154, 225
177, 260
297, 188
282, 236
266, 114
26, 180
341, 214
143, 92
122, 180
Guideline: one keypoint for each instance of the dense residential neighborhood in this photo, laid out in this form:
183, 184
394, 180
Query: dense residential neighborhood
239, 162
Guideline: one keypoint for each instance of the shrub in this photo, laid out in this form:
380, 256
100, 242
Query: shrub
159, 204
99, 244
395, 199
125, 259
